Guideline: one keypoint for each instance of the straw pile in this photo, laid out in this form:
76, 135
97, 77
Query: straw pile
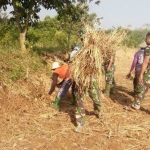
98, 47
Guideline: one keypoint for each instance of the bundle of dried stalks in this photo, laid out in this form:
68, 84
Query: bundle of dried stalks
97, 47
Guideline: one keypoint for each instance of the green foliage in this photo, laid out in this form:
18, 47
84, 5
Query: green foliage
135, 37
16, 72
32, 39
25, 13
47, 33
14, 65
60, 40
9, 36
72, 17
52, 35
10, 67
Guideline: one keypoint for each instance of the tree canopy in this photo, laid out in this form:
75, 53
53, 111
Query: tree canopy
26, 12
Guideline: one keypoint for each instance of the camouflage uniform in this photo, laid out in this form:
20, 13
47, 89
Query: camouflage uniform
80, 110
142, 89
109, 76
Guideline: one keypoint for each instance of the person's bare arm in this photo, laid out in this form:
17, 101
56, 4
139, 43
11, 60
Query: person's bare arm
110, 63
54, 83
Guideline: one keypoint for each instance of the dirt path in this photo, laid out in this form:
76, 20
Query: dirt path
33, 125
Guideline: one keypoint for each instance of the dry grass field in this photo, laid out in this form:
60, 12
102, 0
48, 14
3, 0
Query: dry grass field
27, 121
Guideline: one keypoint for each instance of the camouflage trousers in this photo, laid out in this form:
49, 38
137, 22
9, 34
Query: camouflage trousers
109, 76
135, 82
142, 89
80, 110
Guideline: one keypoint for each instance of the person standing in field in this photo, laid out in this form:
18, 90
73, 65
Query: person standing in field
144, 77
110, 67
62, 72
136, 65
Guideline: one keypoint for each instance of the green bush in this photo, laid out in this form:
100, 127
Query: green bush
60, 40
14, 65
17, 72
9, 37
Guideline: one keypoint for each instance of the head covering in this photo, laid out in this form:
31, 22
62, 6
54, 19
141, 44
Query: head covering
143, 45
55, 65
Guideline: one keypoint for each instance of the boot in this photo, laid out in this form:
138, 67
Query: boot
136, 104
98, 114
79, 127
74, 91
107, 90
74, 102
56, 104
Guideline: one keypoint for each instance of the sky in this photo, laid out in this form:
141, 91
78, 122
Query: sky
115, 13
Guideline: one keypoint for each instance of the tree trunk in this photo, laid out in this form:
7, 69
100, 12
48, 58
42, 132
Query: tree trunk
22, 41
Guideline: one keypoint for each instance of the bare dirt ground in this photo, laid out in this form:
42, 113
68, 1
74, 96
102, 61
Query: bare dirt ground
28, 123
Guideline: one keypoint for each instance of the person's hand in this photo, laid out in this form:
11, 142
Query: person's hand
47, 97
140, 79
59, 85
128, 75
108, 69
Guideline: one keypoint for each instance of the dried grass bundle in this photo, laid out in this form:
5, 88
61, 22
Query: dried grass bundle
88, 62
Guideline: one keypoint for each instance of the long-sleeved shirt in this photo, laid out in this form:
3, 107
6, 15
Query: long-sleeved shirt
137, 61
62, 72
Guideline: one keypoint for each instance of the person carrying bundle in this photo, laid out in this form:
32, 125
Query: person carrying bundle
87, 69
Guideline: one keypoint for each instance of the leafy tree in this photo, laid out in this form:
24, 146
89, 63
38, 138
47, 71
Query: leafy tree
69, 17
46, 35
73, 16
9, 36
45, 30
25, 12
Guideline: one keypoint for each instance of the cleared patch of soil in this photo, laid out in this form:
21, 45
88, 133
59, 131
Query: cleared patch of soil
28, 123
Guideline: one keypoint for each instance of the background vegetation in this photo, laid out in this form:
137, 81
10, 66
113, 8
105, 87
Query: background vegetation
53, 34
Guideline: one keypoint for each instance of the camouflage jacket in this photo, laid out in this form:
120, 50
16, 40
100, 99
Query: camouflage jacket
147, 53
